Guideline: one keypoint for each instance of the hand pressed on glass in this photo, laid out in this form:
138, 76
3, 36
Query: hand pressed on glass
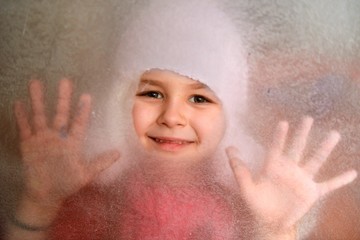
285, 188
52, 153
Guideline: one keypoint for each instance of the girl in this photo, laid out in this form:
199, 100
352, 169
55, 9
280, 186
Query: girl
182, 93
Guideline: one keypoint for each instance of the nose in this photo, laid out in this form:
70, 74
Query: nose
173, 114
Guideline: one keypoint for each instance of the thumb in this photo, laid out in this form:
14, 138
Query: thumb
103, 161
242, 173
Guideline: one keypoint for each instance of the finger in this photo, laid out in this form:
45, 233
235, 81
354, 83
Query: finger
37, 104
81, 119
337, 182
102, 162
22, 120
63, 105
242, 174
298, 144
322, 154
278, 142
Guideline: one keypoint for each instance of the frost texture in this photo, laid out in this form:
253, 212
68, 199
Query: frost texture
304, 59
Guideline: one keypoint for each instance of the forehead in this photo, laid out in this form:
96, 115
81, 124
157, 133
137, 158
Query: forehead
161, 77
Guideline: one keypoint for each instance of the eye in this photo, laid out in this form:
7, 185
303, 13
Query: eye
150, 94
199, 99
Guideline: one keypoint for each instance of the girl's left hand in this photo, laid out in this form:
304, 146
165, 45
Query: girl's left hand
285, 189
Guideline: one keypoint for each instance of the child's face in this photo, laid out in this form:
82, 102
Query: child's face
177, 117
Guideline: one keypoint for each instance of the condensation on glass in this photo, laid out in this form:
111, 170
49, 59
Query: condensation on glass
304, 60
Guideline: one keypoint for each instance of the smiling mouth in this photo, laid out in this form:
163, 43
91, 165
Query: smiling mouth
174, 141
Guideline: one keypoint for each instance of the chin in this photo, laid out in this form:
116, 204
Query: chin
171, 160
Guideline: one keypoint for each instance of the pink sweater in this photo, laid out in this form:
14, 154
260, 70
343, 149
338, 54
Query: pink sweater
144, 212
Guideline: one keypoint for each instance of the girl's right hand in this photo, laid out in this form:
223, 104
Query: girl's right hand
54, 166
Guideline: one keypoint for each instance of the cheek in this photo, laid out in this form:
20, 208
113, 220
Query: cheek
219, 128
211, 127
143, 117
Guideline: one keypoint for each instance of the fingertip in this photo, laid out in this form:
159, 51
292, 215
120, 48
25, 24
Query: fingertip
35, 82
233, 156
85, 98
111, 155
66, 79
349, 176
283, 125
232, 152
353, 174
104, 161
308, 120
115, 155
335, 135
32, 81
66, 82
36, 89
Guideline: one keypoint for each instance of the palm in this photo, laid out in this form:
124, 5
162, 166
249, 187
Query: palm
54, 165
285, 189
276, 197
53, 169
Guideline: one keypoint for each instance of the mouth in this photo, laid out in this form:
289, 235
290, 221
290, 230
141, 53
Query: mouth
170, 144
170, 140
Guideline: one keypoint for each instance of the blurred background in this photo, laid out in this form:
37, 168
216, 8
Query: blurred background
304, 59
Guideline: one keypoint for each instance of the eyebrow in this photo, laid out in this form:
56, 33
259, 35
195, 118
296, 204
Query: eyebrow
196, 85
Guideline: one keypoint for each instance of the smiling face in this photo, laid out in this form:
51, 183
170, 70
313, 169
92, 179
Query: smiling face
177, 118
